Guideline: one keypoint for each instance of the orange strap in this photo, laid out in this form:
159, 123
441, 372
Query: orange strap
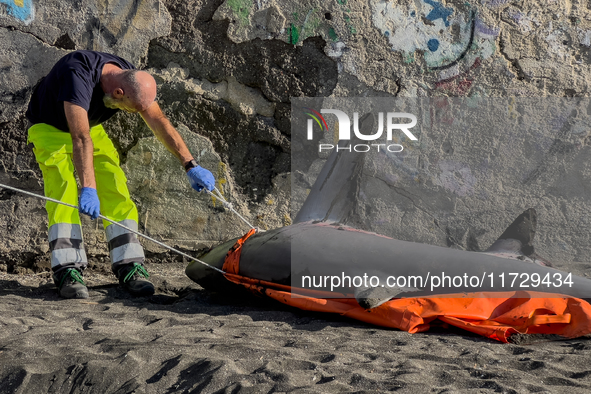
232, 261
536, 320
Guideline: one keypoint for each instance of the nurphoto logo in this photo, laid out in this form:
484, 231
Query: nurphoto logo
344, 127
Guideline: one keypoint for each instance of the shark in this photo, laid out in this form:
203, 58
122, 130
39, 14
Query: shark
321, 257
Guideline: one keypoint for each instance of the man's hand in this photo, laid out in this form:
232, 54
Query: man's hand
199, 178
89, 202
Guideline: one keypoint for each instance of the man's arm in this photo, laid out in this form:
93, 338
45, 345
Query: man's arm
166, 133
82, 143
82, 152
199, 177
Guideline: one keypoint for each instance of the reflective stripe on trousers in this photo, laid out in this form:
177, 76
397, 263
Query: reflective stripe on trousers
53, 151
65, 244
124, 246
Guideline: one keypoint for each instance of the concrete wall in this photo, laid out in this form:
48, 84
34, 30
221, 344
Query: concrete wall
477, 163
227, 70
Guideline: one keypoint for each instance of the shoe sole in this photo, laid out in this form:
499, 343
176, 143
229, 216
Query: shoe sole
79, 293
146, 290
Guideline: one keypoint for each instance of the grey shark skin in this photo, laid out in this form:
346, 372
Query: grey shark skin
320, 249
318, 245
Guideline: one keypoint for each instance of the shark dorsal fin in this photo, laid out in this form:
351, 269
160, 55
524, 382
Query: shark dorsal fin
518, 237
334, 193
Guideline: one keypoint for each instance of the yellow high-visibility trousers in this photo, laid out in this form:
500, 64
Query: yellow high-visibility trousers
53, 151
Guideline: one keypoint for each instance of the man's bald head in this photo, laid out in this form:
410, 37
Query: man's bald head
139, 87
135, 91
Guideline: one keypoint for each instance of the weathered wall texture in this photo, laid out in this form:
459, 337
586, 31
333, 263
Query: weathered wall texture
478, 163
227, 70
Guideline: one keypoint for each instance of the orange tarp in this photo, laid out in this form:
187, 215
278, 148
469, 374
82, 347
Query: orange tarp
493, 315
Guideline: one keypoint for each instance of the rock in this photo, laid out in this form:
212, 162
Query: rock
169, 208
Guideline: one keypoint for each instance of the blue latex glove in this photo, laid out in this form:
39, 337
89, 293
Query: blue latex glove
89, 202
199, 178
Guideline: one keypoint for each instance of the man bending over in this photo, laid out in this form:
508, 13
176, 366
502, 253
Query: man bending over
82, 90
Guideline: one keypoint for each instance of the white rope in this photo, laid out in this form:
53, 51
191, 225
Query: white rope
116, 223
218, 195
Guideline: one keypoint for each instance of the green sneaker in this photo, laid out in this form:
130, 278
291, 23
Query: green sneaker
70, 284
133, 278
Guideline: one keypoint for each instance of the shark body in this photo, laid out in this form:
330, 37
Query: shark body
321, 246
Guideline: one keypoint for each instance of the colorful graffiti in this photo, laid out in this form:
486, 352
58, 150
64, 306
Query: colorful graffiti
458, 85
447, 39
242, 9
309, 25
22, 10
446, 36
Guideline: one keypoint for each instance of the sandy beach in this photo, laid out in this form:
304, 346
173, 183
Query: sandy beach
185, 339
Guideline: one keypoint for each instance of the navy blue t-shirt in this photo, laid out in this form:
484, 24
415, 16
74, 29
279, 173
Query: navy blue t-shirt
75, 78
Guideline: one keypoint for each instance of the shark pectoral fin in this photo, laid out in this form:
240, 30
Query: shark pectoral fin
372, 297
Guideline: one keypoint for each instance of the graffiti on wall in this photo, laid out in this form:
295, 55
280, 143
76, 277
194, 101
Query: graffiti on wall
290, 21
22, 10
451, 38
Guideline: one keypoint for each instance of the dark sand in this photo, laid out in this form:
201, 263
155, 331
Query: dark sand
188, 340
